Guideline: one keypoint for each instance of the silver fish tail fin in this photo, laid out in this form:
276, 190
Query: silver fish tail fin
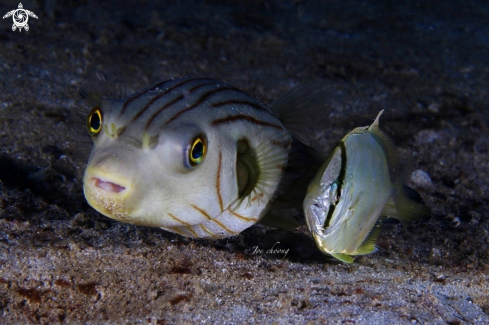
410, 206
408, 203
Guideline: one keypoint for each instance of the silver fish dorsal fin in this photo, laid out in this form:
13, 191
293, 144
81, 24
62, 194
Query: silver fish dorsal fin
385, 142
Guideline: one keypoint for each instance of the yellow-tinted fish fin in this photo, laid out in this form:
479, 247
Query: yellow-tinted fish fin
389, 209
408, 202
368, 245
305, 109
385, 142
410, 205
342, 257
282, 219
260, 168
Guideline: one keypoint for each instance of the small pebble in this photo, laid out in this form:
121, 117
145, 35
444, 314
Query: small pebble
453, 220
426, 136
421, 178
434, 107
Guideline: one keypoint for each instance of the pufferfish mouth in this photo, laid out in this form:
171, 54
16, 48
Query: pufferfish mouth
108, 193
107, 186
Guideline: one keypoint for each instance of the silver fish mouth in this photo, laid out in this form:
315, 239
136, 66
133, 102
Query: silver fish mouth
107, 186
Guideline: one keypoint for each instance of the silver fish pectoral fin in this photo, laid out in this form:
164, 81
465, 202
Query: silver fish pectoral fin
343, 257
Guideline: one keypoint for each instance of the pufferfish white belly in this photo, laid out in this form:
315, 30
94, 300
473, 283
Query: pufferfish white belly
196, 157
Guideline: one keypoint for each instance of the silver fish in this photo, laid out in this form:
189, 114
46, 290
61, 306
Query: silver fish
352, 189
196, 157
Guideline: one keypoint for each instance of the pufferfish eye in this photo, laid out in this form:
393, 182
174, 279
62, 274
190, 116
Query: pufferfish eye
197, 151
94, 121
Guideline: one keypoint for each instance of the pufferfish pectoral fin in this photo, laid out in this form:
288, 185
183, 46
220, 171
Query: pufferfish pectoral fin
260, 169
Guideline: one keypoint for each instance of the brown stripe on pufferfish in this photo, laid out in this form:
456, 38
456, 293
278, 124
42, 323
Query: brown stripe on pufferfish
151, 119
207, 231
258, 196
205, 214
192, 231
243, 217
179, 220
201, 99
187, 225
139, 94
168, 104
218, 181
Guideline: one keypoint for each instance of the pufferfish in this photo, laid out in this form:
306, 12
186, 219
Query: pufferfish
353, 189
196, 157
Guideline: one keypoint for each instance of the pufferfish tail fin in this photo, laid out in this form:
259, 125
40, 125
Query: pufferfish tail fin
304, 110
